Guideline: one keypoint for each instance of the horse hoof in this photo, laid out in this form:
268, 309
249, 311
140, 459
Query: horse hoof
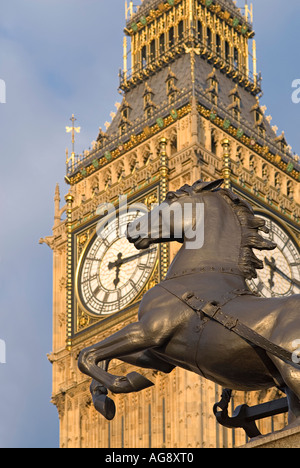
97, 389
138, 382
105, 406
133, 382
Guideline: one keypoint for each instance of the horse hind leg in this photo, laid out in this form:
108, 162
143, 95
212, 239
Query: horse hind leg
147, 360
135, 338
133, 382
291, 377
294, 408
102, 403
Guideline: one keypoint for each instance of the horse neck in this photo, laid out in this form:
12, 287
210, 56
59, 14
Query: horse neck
222, 240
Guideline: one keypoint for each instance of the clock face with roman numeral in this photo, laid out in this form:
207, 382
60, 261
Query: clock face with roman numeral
112, 272
281, 274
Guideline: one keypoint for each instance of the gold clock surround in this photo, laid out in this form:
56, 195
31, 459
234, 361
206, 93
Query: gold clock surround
82, 239
262, 287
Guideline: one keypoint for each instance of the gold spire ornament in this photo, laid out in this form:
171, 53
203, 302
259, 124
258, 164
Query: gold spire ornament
128, 9
254, 62
192, 51
226, 163
72, 130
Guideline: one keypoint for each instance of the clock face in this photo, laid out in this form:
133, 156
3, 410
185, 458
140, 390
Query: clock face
281, 273
112, 272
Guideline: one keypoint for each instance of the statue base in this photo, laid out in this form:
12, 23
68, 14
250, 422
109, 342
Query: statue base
289, 438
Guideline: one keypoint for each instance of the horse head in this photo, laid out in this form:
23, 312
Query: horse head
174, 219
215, 225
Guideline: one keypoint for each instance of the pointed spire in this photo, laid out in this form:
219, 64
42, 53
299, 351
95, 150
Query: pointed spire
57, 193
57, 212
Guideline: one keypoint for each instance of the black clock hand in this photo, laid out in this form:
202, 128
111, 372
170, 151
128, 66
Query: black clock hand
134, 257
275, 269
122, 261
116, 265
272, 266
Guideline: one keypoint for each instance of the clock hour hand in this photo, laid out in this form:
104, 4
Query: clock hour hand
122, 261
272, 266
275, 269
116, 265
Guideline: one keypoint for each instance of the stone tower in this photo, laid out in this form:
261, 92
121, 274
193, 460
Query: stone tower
190, 109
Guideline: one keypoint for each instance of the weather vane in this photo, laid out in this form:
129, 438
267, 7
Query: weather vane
72, 130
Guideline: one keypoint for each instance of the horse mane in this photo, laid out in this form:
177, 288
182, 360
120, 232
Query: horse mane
251, 239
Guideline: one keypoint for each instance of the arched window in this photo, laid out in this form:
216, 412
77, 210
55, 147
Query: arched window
257, 116
144, 57
227, 51
199, 31
152, 50
218, 44
236, 57
171, 37
174, 147
181, 31
162, 44
209, 37
213, 144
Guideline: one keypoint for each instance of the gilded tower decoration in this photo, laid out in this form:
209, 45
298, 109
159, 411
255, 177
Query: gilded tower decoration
190, 110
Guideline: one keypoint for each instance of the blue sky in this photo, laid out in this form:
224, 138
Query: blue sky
60, 57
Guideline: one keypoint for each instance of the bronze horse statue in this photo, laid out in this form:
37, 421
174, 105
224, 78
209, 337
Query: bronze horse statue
203, 317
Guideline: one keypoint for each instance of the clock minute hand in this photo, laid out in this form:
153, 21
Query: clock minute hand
134, 257
122, 261
274, 268
293, 281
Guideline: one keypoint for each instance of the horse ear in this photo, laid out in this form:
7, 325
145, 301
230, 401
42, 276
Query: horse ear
201, 186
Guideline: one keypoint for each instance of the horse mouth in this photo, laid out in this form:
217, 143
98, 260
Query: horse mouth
142, 244
139, 242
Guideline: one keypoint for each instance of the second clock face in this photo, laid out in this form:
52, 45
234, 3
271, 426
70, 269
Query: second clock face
281, 273
112, 272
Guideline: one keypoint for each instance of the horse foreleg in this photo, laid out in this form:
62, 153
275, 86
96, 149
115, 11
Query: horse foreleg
132, 339
145, 359
102, 403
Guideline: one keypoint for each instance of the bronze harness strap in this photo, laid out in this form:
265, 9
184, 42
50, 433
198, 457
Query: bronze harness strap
214, 311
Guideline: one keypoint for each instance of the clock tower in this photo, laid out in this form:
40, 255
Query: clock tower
190, 109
